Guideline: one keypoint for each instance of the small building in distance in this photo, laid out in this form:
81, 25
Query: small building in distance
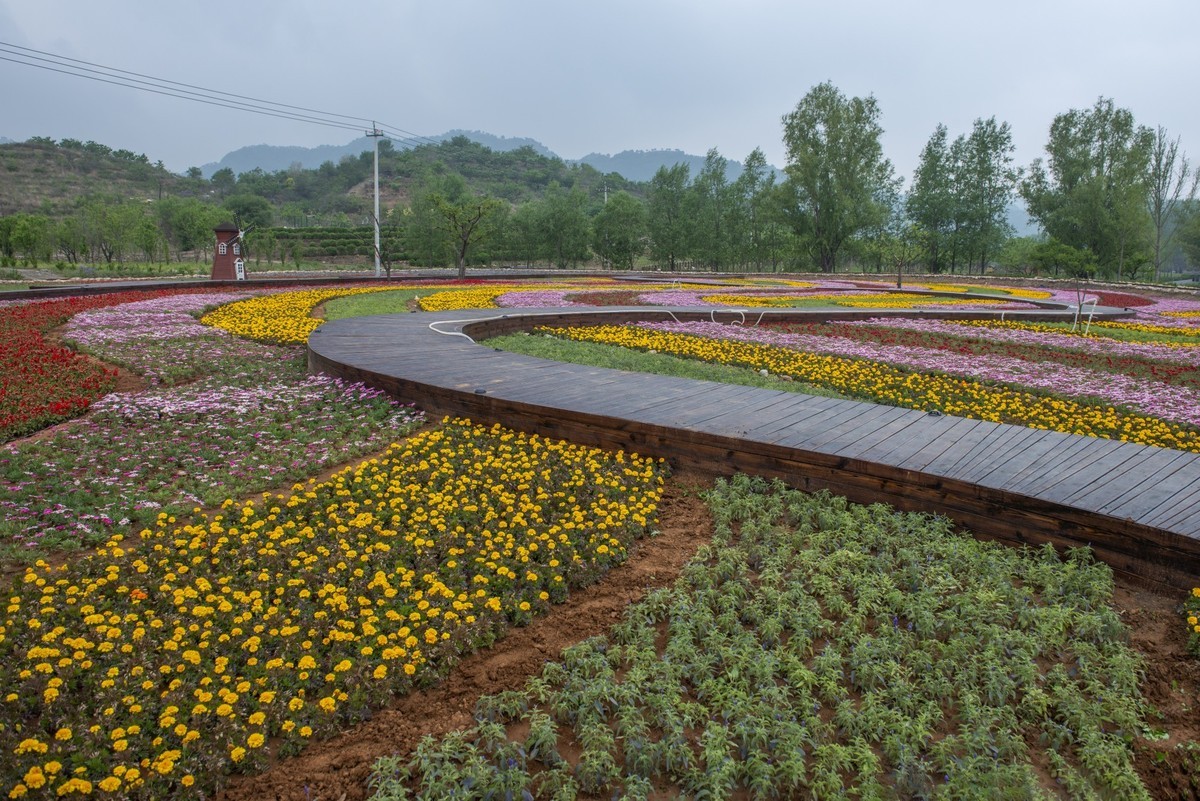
229, 262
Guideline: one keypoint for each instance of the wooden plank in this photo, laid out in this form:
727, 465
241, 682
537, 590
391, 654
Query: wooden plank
1138, 473
1044, 470
897, 420
1099, 463
963, 446
942, 442
835, 438
1153, 490
1179, 514
809, 407
1006, 446
906, 442
1044, 445
812, 433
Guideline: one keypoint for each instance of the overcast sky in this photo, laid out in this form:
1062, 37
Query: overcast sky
596, 77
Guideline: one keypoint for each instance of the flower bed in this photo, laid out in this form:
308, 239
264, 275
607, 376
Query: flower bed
284, 317
171, 450
42, 383
1178, 401
172, 658
828, 650
883, 383
1161, 360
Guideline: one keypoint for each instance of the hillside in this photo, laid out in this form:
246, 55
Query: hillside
51, 178
272, 158
39, 175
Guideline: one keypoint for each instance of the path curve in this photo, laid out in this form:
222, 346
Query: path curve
1136, 506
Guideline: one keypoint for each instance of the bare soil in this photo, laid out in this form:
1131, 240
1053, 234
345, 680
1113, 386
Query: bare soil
338, 769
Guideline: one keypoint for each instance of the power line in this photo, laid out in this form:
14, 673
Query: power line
184, 97
212, 97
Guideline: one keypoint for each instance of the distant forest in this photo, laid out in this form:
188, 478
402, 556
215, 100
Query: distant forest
1112, 199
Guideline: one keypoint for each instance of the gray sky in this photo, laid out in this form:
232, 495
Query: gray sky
597, 77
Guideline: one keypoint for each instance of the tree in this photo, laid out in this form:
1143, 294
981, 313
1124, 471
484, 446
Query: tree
1090, 193
1052, 256
31, 238
985, 182
931, 202
149, 240
250, 211
562, 225
1189, 236
618, 230
1168, 192
709, 208
111, 225
187, 224
465, 218
70, 238
753, 219
1017, 256
835, 170
666, 219
428, 243
223, 180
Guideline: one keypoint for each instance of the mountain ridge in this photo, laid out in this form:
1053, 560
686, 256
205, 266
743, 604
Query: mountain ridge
634, 165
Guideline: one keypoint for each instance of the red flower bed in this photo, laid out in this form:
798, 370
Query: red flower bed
1120, 299
42, 383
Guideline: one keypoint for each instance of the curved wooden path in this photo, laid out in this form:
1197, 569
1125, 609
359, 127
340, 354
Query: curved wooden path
1138, 507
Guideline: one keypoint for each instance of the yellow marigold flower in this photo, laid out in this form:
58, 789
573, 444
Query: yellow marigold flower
63, 734
34, 778
255, 740
110, 784
380, 672
237, 754
76, 785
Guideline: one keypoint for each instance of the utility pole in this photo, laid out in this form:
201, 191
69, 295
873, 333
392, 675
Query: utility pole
375, 133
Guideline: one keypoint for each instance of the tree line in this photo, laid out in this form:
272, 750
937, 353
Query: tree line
1113, 198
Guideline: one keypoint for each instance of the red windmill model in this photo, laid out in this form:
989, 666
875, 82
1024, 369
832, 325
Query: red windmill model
229, 262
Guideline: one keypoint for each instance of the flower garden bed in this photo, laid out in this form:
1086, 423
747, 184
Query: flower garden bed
182, 653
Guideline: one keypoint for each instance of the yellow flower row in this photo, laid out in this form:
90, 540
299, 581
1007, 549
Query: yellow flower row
1031, 294
163, 662
1149, 328
284, 317
484, 297
895, 300
477, 298
882, 383
1086, 330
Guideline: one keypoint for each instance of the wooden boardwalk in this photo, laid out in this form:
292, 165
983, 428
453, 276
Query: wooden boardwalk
1138, 507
